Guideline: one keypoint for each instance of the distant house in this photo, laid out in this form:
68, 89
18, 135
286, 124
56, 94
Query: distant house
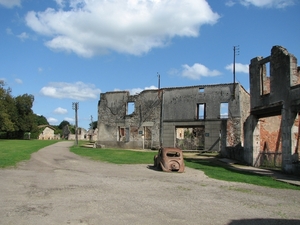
47, 133
82, 134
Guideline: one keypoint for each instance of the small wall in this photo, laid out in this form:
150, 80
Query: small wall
236, 153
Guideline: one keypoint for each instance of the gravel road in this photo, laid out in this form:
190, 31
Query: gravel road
58, 187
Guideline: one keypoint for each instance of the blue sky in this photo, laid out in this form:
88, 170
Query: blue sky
64, 51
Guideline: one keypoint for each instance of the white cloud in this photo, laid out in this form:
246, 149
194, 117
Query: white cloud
152, 87
60, 110
23, 36
77, 91
173, 72
135, 91
61, 3
239, 68
19, 81
10, 3
52, 120
133, 27
197, 71
138, 90
230, 3
71, 120
40, 69
9, 31
264, 3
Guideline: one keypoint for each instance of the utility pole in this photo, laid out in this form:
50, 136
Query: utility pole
91, 122
158, 75
236, 51
75, 106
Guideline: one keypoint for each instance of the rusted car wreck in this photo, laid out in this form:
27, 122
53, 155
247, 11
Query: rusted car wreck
169, 159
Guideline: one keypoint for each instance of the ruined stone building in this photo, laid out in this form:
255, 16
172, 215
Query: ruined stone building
261, 128
47, 133
272, 129
203, 117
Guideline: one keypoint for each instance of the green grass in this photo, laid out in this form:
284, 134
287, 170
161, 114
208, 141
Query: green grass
115, 156
228, 173
14, 151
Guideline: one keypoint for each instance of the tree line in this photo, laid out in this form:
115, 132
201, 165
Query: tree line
17, 117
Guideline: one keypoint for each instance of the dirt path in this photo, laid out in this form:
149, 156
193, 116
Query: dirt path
59, 187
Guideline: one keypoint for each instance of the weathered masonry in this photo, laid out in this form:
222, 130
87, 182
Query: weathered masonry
204, 117
272, 130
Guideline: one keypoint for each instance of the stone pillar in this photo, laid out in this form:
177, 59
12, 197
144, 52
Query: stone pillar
288, 118
252, 140
255, 81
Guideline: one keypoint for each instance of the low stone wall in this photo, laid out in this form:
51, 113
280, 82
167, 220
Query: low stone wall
236, 153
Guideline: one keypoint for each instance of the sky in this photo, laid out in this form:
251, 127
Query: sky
67, 51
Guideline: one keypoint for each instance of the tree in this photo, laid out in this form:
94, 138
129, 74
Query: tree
7, 108
16, 115
93, 125
63, 124
41, 120
26, 119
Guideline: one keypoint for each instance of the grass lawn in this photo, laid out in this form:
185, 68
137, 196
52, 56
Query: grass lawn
210, 168
226, 172
14, 151
116, 156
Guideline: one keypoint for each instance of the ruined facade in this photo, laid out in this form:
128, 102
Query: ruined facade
191, 118
272, 129
47, 133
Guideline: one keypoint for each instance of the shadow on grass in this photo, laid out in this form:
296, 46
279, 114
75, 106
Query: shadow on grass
264, 221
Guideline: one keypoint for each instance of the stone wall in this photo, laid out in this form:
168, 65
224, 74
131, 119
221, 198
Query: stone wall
275, 104
158, 113
117, 128
48, 134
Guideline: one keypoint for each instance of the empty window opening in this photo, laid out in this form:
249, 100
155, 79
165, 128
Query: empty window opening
268, 72
130, 108
201, 90
265, 78
190, 138
121, 134
224, 110
201, 111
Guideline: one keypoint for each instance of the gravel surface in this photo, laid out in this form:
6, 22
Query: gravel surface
58, 187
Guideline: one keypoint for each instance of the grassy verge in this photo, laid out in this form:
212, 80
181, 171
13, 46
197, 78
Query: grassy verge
14, 151
221, 171
115, 156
